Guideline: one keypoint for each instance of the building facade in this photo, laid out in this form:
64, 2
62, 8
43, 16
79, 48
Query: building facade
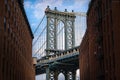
103, 29
84, 58
15, 42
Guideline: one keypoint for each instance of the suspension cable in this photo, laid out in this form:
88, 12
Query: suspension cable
39, 48
39, 24
39, 36
45, 41
59, 37
41, 54
62, 41
60, 31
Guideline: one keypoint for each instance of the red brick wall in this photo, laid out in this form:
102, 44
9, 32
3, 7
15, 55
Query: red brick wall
111, 45
116, 35
1, 39
15, 42
84, 58
103, 25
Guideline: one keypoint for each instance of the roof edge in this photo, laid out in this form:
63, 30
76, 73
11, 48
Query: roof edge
25, 17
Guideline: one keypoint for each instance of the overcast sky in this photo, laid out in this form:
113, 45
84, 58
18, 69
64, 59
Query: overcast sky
35, 11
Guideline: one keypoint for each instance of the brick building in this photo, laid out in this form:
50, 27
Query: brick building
84, 58
15, 42
102, 53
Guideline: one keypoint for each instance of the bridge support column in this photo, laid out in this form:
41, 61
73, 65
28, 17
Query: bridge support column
56, 75
66, 75
51, 75
74, 75
47, 73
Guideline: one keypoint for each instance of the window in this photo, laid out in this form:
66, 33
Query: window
8, 28
6, 4
5, 23
8, 10
11, 33
14, 20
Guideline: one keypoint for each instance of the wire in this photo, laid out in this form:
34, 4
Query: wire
39, 36
45, 41
39, 24
60, 30
39, 48
62, 40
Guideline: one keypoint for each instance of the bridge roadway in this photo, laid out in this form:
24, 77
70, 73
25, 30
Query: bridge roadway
61, 61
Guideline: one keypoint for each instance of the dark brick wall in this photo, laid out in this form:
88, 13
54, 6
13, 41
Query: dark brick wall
84, 58
103, 29
116, 36
15, 43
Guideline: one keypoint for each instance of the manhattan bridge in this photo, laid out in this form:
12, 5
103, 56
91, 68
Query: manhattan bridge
57, 43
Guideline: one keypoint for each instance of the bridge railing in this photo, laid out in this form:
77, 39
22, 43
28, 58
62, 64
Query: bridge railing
59, 55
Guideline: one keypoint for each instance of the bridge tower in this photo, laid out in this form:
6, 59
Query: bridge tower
53, 18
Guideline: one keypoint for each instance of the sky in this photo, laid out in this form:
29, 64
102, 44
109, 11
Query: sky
35, 12
35, 8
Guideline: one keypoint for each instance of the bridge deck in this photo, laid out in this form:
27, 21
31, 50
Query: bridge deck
63, 60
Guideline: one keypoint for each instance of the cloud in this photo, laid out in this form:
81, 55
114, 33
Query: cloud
80, 28
35, 11
39, 6
80, 5
28, 5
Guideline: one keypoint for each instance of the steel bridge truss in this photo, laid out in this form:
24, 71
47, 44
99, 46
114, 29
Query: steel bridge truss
56, 60
53, 19
65, 62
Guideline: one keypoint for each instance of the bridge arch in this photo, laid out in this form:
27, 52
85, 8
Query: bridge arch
68, 19
59, 62
61, 76
77, 74
60, 35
